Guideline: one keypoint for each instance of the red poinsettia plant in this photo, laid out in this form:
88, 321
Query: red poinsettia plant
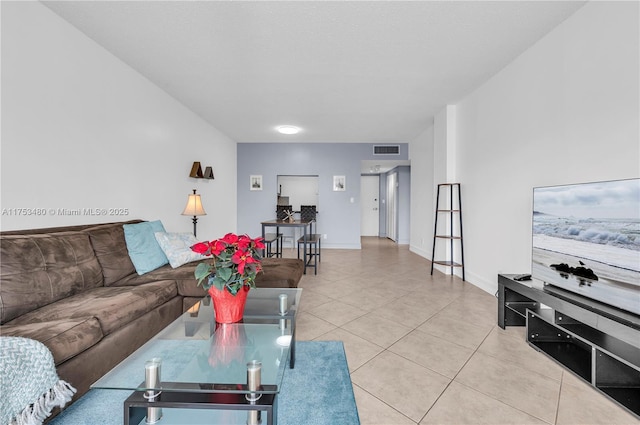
236, 262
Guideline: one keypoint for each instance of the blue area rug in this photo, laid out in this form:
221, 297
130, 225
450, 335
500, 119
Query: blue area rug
317, 391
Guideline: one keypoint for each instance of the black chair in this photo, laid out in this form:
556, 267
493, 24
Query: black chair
308, 212
312, 242
280, 211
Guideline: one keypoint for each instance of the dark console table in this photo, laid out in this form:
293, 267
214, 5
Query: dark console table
598, 343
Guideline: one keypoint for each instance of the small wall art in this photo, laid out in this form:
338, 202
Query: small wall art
339, 183
255, 182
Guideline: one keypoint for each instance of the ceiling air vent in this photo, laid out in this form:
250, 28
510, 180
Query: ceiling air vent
386, 150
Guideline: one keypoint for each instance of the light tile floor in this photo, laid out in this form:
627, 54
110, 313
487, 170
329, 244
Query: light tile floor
426, 349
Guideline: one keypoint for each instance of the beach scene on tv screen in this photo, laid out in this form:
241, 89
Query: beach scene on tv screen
586, 239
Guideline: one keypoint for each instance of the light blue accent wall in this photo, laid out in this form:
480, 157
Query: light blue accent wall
338, 217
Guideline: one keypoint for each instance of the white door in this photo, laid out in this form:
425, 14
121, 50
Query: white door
369, 205
392, 223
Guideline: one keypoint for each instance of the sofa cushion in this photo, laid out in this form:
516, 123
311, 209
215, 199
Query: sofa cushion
65, 338
177, 247
187, 283
165, 272
40, 269
111, 250
280, 273
144, 250
114, 307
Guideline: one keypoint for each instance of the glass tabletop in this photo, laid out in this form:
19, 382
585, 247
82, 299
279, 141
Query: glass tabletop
196, 354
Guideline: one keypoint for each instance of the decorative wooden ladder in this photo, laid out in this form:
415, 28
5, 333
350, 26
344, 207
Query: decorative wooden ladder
450, 236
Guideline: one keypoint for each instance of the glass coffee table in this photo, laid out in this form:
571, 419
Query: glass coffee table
196, 363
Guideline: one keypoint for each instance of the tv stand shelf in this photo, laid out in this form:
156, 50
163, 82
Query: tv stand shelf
581, 335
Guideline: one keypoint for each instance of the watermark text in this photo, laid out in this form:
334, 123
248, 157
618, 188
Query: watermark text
28, 212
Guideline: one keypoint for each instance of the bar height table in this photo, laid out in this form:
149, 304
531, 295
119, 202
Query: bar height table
304, 224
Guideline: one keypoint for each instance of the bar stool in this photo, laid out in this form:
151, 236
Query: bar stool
312, 242
269, 239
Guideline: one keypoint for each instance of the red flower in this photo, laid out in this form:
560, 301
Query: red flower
217, 246
242, 258
259, 243
244, 242
230, 238
201, 248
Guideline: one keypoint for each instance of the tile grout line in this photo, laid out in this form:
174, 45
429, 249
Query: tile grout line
559, 395
386, 404
455, 376
476, 351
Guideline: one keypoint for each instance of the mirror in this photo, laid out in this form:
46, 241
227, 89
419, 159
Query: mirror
297, 190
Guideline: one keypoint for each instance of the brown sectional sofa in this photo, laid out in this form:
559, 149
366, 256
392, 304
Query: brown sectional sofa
75, 290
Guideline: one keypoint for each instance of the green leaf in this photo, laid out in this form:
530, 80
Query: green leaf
202, 271
218, 284
224, 273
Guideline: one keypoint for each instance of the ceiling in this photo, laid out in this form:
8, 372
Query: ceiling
343, 71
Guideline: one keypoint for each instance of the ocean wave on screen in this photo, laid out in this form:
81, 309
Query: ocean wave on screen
615, 232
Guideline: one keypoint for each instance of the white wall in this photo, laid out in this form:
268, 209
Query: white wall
565, 111
444, 171
421, 152
83, 130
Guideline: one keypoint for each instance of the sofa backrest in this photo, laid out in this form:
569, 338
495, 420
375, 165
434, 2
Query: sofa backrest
38, 269
110, 248
46, 230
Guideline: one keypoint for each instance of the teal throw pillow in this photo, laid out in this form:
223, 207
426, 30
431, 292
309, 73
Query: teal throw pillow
144, 250
177, 248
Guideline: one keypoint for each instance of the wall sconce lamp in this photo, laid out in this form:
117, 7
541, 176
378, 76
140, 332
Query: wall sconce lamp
194, 208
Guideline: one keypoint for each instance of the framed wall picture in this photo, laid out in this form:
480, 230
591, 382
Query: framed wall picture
255, 182
339, 183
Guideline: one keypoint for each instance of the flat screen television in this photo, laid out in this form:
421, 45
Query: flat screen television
586, 239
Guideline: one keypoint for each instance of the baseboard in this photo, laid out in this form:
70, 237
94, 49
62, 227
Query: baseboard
326, 245
420, 251
472, 278
487, 286
341, 246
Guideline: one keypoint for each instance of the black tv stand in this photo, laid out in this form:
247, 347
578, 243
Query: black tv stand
598, 343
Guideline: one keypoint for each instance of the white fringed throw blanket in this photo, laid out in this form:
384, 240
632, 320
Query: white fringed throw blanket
30, 386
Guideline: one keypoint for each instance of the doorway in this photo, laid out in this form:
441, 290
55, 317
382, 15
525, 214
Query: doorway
294, 191
370, 205
297, 190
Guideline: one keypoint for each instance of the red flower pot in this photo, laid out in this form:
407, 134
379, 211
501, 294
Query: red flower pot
228, 308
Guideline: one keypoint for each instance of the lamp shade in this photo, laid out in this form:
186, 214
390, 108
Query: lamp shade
194, 206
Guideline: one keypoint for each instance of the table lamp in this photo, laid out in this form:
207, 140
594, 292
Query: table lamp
194, 208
